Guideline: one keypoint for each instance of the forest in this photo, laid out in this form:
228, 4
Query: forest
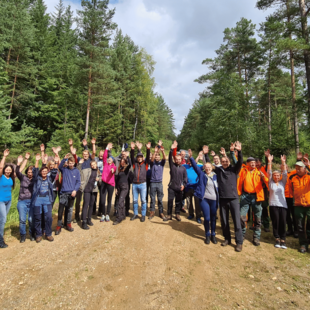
74, 75
258, 86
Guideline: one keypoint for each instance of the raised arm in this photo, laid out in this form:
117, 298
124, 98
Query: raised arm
194, 165
206, 158
238, 165
232, 153
93, 142
17, 171
148, 152
5, 155
163, 152
132, 152
106, 152
173, 147
42, 149
22, 167
283, 169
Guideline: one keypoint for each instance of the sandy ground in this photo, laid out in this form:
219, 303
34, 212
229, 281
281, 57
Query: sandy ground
151, 265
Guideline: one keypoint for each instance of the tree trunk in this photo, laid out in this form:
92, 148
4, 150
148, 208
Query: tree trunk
14, 88
269, 100
88, 104
305, 35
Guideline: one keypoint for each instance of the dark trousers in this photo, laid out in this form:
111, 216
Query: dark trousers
233, 206
209, 210
189, 195
122, 190
88, 205
156, 189
46, 210
148, 189
301, 213
78, 199
178, 196
278, 218
95, 202
104, 190
68, 208
292, 224
127, 200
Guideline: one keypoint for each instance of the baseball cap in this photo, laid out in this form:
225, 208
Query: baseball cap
300, 164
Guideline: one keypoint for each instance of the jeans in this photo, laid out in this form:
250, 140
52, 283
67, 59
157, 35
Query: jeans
300, 214
43, 206
157, 189
189, 195
24, 208
104, 190
4, 210
209, 210
136, 190
245, 201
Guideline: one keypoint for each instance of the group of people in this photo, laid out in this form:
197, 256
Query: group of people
234, 187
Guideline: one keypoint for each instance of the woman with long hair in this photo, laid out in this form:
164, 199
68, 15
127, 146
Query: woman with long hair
122, 188
7, 183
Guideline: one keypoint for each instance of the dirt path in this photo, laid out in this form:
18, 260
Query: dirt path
151, 265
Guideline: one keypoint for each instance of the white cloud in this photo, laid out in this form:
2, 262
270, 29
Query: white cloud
179, 34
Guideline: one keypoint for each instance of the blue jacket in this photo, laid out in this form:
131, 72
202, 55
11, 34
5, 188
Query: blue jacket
37, 181
71, 179
192, 177
203, 181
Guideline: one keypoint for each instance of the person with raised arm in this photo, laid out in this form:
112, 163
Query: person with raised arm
107, 185
71, 182
139, 182
24, 206
42, 198
7, 183
156, 185
299, 187
177, 184
277, 202
121, 189
227, 176
207, 193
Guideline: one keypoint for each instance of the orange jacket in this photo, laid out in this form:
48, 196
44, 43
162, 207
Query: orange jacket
287, 190
299, 189
257, 182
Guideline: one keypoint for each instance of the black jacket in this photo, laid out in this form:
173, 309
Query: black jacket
227, 178
178, 174
140, 169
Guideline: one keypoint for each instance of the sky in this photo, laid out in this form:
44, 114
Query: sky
179, 34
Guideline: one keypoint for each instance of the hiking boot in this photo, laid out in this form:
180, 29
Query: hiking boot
225, 243
207, 241
152, 214
134, 217
58, 230
39, 239
127, 213
266, 229
238, 248
162, 216
190, 217
303, 249
252, 228
277, 244
22, 238
102, 218
183, 210
296, 234
50, 238
169, 217
107, 218
213, 240
256, 242
3, 245
142, 218
199, 221
116, 223
69, 227
89, 222
84, 225
178, 217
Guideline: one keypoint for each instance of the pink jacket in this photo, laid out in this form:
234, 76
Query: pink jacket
107, 175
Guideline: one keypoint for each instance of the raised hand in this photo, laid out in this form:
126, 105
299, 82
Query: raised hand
38, 157
190, 153
44, 158
283, 159
67, 156
27, 155
232, 147
139, 145
127, 154
57, 158
58, 149
132, 145
81, 161
306, 161
174, 144
267, 152
109, 146
93, 141
270, 158
19, 160
223, 152
205, 149
160, 143
84, 142
156, 149
238, 146
70, 141
212, 153
42, 147
299, 156
148, 145
73, 151
54, 150
306, 155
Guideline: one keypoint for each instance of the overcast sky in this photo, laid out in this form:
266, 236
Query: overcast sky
179, 34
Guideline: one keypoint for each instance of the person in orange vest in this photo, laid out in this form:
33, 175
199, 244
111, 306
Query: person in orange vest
299, 187
250, 188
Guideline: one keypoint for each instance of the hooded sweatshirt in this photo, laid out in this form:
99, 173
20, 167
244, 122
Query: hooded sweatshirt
107, 175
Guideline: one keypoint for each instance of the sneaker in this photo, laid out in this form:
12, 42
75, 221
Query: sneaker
190, 217
283, 245
277, 244
102, 218
107, 218
199, 221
